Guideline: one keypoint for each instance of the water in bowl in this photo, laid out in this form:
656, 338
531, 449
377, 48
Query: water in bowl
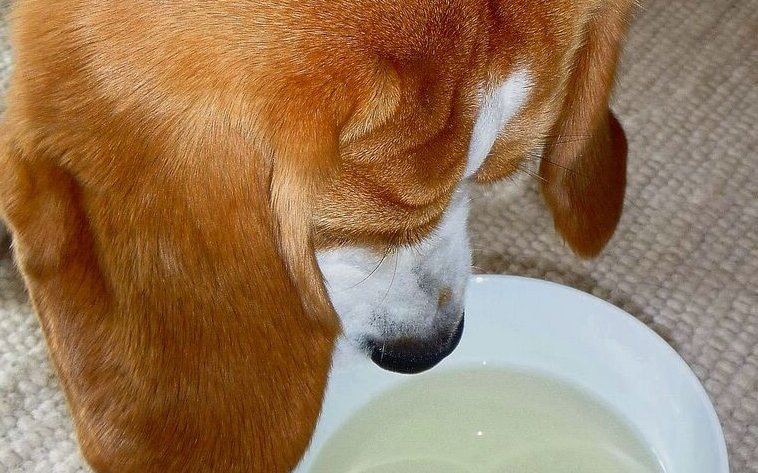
486, 421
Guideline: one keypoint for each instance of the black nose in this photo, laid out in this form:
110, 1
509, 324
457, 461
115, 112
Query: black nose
410, 356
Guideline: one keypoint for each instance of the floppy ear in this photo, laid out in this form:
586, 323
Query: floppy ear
179, 295
584, 162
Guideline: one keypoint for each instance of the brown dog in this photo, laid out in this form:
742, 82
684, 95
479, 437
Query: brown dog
171, 171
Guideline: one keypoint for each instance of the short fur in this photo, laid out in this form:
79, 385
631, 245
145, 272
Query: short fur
171, 168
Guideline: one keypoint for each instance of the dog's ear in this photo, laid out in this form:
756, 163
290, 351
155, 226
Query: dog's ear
583, 168
177, 289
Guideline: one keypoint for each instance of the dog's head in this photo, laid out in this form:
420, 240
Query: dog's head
193, 192
391, 224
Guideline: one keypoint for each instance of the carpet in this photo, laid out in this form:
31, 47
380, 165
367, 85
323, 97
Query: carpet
684, 259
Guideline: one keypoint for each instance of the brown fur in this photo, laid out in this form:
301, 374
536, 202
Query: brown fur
169, 169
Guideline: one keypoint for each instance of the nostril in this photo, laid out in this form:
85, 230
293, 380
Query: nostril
410, 356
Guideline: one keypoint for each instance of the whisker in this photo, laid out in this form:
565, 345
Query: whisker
477, 269
558, 137
531, 173
573, 172
392, 281
561, 166
387, 252
553, 163
564, 140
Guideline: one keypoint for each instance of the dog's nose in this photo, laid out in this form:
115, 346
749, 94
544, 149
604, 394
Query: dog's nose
410, 356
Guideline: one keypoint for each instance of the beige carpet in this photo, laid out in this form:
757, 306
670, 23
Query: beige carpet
685, 258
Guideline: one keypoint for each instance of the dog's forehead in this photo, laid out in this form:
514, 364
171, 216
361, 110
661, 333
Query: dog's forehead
401, 178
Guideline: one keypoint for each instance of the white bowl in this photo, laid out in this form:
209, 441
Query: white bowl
537, 325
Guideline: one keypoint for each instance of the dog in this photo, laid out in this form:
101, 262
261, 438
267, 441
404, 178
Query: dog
204, 196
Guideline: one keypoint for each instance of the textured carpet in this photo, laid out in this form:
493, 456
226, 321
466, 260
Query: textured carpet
685, 258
